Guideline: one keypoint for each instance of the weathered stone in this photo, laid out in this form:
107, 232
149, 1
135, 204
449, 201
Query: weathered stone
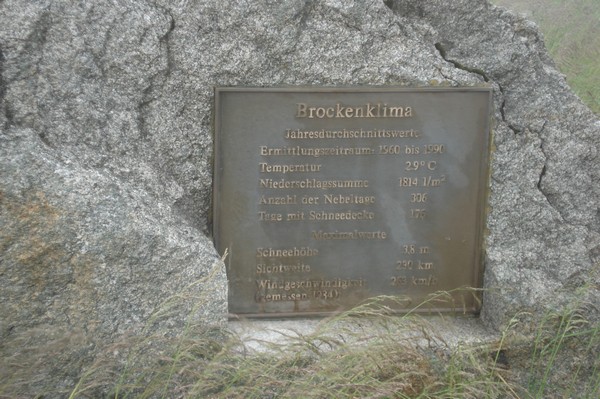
106, 149
544, 222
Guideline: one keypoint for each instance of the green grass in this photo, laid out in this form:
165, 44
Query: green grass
390, 356
367, 352
556, 332
571, 30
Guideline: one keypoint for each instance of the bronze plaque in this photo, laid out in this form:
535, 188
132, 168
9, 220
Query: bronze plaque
325, 197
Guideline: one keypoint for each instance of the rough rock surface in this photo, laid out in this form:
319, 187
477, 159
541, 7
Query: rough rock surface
106, 148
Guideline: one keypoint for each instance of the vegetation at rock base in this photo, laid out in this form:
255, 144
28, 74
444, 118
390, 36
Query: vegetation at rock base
367, 352
571, 31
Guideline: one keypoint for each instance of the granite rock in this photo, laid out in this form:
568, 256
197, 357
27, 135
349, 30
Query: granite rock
106, 150
544, 223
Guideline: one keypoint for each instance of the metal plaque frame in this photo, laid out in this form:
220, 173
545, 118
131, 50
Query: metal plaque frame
326, 197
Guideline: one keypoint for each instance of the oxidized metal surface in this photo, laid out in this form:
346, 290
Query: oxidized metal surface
327, 197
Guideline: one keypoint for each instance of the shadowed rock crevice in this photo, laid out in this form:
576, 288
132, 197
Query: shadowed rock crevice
514, 129
165, 41
539, 183
3, 87
142, 110
405, 8
477, 71
2, 83
157, 81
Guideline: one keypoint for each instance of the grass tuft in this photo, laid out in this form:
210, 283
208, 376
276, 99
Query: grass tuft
366, 352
